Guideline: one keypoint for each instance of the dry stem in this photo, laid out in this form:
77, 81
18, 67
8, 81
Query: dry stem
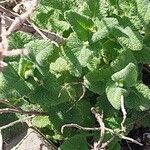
102, 125
15, 122
124, 113
20, 111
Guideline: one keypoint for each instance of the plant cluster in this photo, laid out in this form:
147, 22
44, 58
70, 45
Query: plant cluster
100, 63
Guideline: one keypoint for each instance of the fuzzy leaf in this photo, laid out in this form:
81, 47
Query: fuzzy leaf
19, 39
40, 51
10, 81
103, 8
123, 59
73, 41
80, 49
96, 80
80, 24
143, 56
76, 142
127, 76
114, 94
84, 56
103, 104
130, 39
94, 7
139, 97
74, 65
40, 121
105, 27
59, 4
60, 65
24, 65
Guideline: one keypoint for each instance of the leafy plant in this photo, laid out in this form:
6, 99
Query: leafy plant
106, 42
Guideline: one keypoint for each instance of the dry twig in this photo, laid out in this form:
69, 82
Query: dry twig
20, 111
78, 127
124, 113
9, 17
3, 42
23, 17
102, 125
15, 122
100, 144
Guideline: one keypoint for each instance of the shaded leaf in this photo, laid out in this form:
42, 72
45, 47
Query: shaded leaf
114, 94
127, 76
96, 80
80, 24
76, 142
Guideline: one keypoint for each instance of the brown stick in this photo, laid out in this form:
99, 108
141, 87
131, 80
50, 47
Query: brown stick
124, 112
15, 122
72, 125
20, 111
102, 125
27, 27
22, 18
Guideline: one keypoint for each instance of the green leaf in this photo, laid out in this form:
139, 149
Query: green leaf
103, 104
113, 121
82, 113
19, 39
94, 7
143, 8
40, 51
24, 65
74, 65
139, 97
59, 4
80, 49
123, 59
82, 25
105, 27
11, 82
59, 25
143, 56
114, 94
109, 51
96, 80
130, 39
77, 142
73, 41
103, 8
40, 121
59, 66
47, 93
127, 76
84, 56
115, 145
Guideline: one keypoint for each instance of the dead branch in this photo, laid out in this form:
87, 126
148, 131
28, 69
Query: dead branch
8, 12
124, 113
100, 144
15, 122
78, 127
23, 17
102, 125
9, 17
20, 111
16, 52
3, 42
104, 145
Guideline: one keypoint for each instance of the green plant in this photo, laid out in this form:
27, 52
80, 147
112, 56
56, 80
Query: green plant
105, 44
